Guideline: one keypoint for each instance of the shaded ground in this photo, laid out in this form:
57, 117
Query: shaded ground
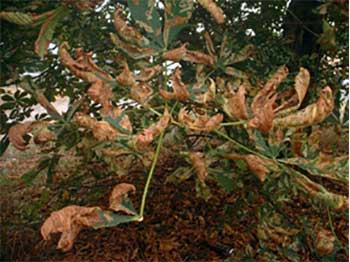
178, 226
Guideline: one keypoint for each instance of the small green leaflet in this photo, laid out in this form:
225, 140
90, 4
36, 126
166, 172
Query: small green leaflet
111, 219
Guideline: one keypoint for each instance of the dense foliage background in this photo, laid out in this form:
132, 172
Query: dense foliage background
293, 177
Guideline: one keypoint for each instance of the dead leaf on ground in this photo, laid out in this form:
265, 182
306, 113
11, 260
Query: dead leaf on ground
312, 114
180, 91
119, 192
16, 134
200, 122
213, 9
324, 242
198, 161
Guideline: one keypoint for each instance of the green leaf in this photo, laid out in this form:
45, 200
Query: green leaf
28, 177
47, 30
177, 13
111, 219
4, 143
225, 181
115, 122
147, 17
24, 19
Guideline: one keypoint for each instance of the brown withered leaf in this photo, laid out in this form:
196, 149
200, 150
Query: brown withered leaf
235, 105
312, 114
180, 91
128, 33
199, 165
176, 54
101, 130
143, 139
334, 201
263, 118
119, 192
302, 81
69, 221
200, 122
101, 94
148, 73
258, 166
324, 242
125, 121
207, 96
133, 51
141, 92
126, 78
199, 57
44, 136
213, 9
209, 43
42, 100
16, 134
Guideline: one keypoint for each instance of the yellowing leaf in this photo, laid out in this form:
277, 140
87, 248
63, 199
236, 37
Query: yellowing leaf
200, 122
69, 221
213, 9
324, 242
145, 138
180, 91
16, 134
198, 162
235, 105
312, 114
119, 192
128, 33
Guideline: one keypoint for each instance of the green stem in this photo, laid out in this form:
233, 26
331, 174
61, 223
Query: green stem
242, 122
150, 175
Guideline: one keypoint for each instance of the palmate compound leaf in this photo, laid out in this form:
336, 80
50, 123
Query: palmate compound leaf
145, 138
214, 10
311, 114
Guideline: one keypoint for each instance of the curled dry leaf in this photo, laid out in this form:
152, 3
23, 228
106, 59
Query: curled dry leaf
302, 81
176, 54
207, 96
213, 9
324, 242
146, 137
263, 118
312, 114
209, 44
180, 91
126, 78
119, 192
85, 68
235, 105
141, 92
69, 221
198, 162
148, 73
44, 136
258, 166
128, 33
101, 130
199, 57
134, 52
315, 190
16, 134
200, 122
